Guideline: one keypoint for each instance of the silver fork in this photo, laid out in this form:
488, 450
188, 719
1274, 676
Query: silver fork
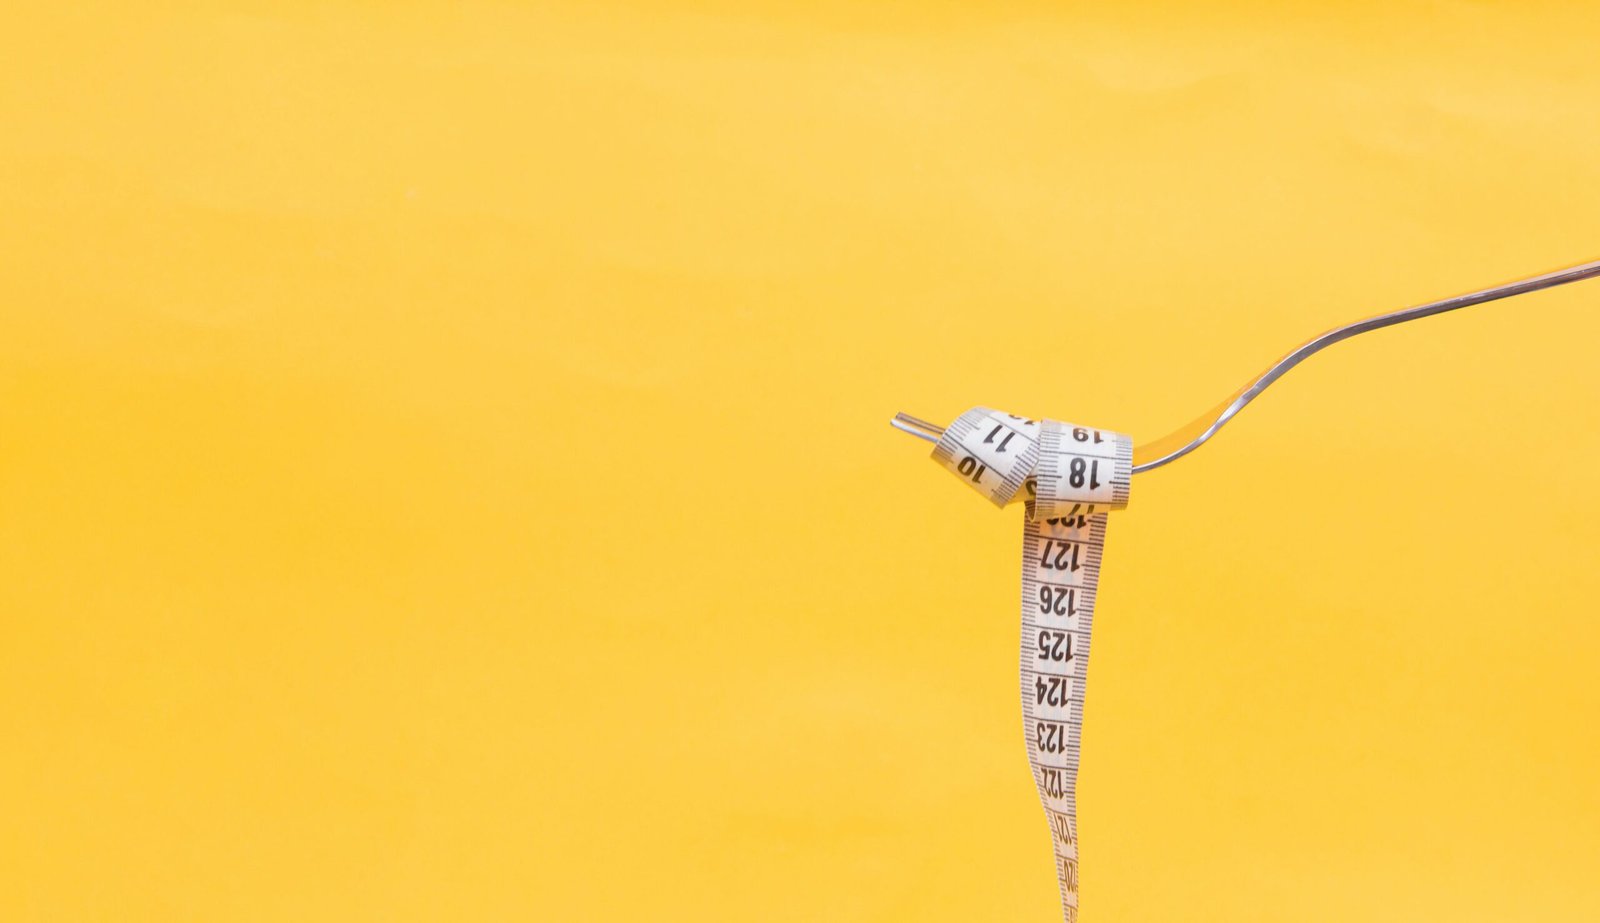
1186, 439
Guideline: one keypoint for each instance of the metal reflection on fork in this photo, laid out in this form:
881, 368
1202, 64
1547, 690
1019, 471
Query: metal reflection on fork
1182, 441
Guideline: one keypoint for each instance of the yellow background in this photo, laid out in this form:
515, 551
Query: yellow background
444, 471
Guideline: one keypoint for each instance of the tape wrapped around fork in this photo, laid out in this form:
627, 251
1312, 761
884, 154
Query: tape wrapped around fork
1069, 476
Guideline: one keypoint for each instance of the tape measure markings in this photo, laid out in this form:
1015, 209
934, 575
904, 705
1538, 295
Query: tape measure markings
998, 451
1070, 477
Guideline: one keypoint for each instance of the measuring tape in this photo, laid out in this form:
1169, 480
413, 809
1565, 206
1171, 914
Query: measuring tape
1069, 476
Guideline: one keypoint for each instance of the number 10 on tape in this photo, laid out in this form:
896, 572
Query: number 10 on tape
1068, 477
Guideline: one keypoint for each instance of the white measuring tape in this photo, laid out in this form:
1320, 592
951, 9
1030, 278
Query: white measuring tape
1068, 476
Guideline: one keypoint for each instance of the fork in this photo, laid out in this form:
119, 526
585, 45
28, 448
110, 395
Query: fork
1186, 439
